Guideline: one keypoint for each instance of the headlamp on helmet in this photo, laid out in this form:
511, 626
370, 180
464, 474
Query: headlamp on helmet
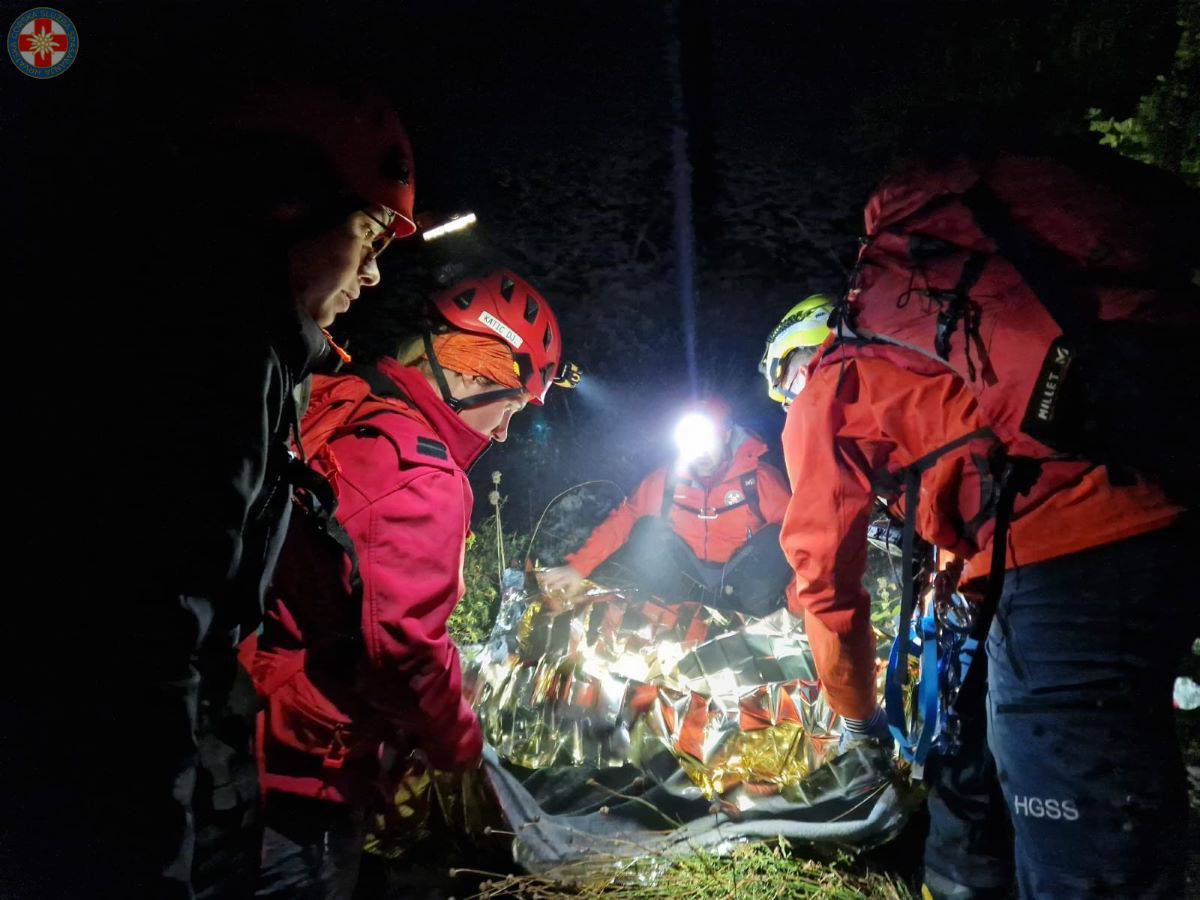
696, 436
452, 225
569, 375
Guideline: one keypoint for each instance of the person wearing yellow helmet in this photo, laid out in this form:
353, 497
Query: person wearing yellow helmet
791, 346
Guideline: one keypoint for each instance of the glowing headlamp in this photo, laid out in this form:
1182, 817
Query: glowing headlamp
696, 436
456, 223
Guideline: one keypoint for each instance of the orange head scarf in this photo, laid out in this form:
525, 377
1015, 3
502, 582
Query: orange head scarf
473, 354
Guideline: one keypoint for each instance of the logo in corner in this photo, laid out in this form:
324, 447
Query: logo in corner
43, 42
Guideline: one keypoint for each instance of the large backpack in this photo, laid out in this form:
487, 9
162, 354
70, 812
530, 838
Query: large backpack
338, 403
1063, 292
1065, 295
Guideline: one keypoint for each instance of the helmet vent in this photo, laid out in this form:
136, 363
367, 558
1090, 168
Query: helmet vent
506, 288
395, 166
531, 310
546, 338
463, 300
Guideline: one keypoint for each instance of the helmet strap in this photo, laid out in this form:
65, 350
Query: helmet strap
489, 397
793, 371
458, 404
439, 375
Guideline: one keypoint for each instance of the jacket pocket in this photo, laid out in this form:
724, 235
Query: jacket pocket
302, 719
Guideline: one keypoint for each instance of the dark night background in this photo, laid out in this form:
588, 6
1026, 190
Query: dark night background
553, 122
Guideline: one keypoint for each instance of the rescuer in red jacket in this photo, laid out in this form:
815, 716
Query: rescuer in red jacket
354, 653
704, 528
1074, 738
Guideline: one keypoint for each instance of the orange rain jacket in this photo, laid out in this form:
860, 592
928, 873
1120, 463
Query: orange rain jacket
866, 412
712, 535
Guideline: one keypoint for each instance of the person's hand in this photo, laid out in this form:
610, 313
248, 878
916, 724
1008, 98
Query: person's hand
564, 581
874, 728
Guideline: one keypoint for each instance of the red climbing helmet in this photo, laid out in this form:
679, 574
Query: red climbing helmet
357, 131
503, 305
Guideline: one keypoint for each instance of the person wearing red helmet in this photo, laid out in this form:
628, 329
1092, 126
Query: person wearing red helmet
269, 226
705, 528
354, 655
332, 171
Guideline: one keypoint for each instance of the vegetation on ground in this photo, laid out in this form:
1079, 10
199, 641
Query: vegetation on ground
471, 621
749, 872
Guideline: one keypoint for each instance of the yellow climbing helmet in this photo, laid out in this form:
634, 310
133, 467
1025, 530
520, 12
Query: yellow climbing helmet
804, 327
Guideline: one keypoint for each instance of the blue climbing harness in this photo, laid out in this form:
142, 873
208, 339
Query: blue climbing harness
944, 636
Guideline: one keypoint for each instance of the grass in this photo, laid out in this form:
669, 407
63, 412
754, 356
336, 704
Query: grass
749, 872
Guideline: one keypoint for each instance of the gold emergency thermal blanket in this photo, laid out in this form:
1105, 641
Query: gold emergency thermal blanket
620, 679
626, 727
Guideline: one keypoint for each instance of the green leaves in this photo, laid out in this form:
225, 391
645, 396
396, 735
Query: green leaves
1165, 129
471, 621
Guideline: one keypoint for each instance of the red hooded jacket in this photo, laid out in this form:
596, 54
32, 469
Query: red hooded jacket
867, 412
399, 470
696, 515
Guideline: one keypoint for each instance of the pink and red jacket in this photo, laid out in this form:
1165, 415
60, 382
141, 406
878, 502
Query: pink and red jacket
343, 671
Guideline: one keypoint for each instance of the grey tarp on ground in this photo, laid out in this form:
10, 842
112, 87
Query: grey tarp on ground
857, 800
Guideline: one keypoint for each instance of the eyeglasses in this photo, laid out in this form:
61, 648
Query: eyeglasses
380, 242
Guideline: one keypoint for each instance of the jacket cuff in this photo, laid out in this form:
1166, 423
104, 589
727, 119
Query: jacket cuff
461, 751
583, 566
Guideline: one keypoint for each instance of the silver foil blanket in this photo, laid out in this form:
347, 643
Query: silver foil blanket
732, 704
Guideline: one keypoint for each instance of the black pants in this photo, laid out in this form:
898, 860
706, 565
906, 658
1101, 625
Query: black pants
1078, 751
225, 805
968, 853
100, 803
311, 850
1083, 654
658, 560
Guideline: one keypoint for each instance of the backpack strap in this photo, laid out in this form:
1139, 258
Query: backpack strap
316, 502
380, 384
910, 475
749, 484
750, 492
1016, 476
314, 495
668, 497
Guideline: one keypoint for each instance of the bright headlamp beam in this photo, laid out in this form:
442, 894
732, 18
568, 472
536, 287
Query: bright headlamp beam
695, 436
458, 223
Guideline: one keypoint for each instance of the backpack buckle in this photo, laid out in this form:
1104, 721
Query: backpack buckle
335, 756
